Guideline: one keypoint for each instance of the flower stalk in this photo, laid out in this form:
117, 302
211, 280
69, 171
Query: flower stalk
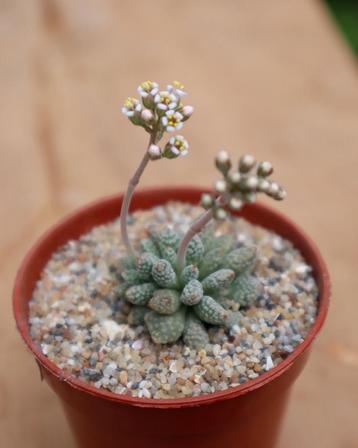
196, 227
133, 182
157, 112
236, 188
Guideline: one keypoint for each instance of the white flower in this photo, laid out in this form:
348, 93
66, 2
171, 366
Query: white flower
130, 106
166, 100
172, 121
177, 146
176, 88
148, 88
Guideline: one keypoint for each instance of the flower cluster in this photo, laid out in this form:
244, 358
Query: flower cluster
160, 111
241, 185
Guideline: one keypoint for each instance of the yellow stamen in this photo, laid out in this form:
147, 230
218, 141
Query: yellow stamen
147, 85
178, 85
129, 102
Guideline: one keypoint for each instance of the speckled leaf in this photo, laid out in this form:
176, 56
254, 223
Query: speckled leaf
192, 293
137, 314
140, 294
208, 310
165, 301
244, 289
164, 329
164, 275
195, 334
241, 259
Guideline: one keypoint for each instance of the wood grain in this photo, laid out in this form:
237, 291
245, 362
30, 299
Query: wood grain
273, 78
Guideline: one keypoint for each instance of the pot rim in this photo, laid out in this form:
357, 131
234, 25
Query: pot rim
321, 275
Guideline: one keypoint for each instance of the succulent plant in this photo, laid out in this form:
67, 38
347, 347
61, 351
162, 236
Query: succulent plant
175, 303
179, 284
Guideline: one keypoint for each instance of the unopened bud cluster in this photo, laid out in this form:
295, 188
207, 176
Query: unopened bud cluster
240, 184
159, 111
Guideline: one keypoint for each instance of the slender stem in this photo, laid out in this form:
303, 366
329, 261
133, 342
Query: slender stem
194, 229
128, 196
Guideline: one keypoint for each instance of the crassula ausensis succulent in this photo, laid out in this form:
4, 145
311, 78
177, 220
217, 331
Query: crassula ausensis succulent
179, 285
173, 303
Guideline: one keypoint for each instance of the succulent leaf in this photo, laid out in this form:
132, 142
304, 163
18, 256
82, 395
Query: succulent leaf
192, 293
233, 319
164, 275
190, 272
209, 311
242, 259
131, 276
195, 334
244, 289
195, 250
217, 280
128, 262
145, 264
215, 251
169, 254
168, 237
121, 289
140, 294
137, 314
149, 245
222, 242
165, 301
164, 329
207, 236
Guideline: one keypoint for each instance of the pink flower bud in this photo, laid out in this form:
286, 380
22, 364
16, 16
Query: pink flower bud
187, 111
147, 115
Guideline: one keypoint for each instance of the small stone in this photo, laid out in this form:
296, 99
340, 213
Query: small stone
112, 328
269, 363
216, 349
173, 367
137, 345
123, 377
144, 393
109, 369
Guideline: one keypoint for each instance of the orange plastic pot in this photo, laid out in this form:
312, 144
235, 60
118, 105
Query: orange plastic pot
248, 415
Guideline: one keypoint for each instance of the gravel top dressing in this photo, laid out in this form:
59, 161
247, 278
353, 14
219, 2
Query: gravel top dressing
80, 324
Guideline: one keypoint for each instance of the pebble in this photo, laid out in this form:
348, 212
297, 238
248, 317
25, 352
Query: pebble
80, 324
137, 345
123, 377
110, 369
269, 363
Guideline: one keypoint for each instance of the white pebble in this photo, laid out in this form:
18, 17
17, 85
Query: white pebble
110, 369
75, 348
144, 393
173, 367
269, 363
216, 349
111, 328
172, 379
45, 349
137, 345
302, 269
277, 244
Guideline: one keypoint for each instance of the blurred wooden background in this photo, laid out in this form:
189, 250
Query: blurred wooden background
272, 78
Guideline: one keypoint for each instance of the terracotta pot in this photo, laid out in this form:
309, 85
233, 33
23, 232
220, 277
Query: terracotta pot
248, 415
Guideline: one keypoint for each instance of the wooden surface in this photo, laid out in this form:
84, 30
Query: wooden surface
272, 78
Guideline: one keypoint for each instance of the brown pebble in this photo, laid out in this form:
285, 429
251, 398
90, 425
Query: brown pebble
123, 377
